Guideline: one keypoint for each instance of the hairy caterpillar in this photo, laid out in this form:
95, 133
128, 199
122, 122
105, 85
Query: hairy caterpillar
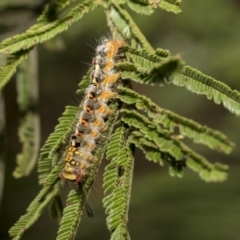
79, 158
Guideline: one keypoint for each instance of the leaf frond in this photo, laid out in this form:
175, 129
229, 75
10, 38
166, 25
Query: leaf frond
194, 80
10, 67
175, 148
158, 74
71, 216
117, 187
111, 171
145, 59
171, 5
162, 52
149, 68
51, 12
152, 153
47, 31
29, 137
29, 129
187, 127
160, 137
120, 233
141, 6
116, 141
117, 183
208, 172
199, 83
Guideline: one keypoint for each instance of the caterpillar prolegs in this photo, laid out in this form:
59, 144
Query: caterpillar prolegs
79, 156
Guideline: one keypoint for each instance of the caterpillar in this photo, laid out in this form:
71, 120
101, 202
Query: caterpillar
79, 157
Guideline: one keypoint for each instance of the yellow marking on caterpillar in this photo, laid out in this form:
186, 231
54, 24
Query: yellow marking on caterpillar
111, 79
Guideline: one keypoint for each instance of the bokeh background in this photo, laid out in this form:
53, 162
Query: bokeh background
207, 35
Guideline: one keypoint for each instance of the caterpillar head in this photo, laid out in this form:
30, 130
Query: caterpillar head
70, 173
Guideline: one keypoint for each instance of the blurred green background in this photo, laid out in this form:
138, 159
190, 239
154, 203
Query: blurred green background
207, 35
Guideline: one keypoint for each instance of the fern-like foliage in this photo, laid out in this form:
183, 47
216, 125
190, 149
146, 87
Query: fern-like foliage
29, 137
69, 223
170, 145
193, 79
199, 83
29, 130
187, 128
10, 67
45, 30
134, 120
117, 185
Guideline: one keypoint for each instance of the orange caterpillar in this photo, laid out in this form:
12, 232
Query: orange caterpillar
79, 158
